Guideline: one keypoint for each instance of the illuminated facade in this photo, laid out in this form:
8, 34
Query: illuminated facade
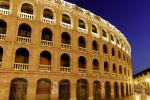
51, 49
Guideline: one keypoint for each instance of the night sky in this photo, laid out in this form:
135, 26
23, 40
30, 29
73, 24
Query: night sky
132, 18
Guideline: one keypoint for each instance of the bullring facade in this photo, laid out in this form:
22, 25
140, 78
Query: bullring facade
55, 50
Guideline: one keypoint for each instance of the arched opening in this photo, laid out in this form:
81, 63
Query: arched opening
5, 4
82, 62
81, 24
65, 38
94, 29
118, 42
3, 27
43, 89
22, 56
124, 58
82, 89
119, 54
116, 89
104, 33
65, 60
122, 90
27, 8
130, 89
96, 90
106, 66
46, 34
24, 30
120, 69
45, 58
113, 51
112, 38
18, 89
64, 90
105, 49
66, 19
1, 55
94, 46
107, 89
125, 72
114, 68
82, 42
127, 90
47, 13
95, 64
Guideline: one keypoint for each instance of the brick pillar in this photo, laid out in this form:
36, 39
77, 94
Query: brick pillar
73, 91
31, 90
90, 90
55, 89
102, 90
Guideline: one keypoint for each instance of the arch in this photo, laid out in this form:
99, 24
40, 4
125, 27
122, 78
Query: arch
118, 42
124, 58
95, 64
47, 13
122, 90
24, 30
1, 55
125, 72
119, 54
82, 42
81, 24
5, 4
64, 90
27, 8
82, 89
96, 90
18, 89
94, 29
107, 89
3, 27
43, 89
113, 52
112, 38
65, 38
94, 46
82, 62
114, 68
65, 60
127, 90
106, 66
46, 34
120, 69
45, 58
66, 19
22, 55
105, 49
116, 89
104, 33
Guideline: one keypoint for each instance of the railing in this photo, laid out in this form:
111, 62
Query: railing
81, 71
82, 49
95, 52
26, 15
45, 68
4, 11
46, 43
2, 36
65, 69
0, 64
95, 35
23, 39
65, 25
105, 38
20, 66
96, 72
114, 75
82, 30
47, 20
66, 46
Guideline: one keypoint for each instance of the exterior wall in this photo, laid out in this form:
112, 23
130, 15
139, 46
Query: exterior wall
32, 75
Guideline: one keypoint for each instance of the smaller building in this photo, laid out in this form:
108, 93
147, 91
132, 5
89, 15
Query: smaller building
142, 81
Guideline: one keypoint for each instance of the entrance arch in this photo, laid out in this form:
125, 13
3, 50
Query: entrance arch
116, 89
107, 89
96, 90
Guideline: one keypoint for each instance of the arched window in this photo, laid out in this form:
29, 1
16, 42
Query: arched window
65, 38
95, 64
113, 51
24, 30
82, 62
5, 4
47, 13
125, 72
45, 58
82, 42
114, 68
94, 46
27, 8
96, 90
18, 89
22, 56
105, 49
107, 90
65, 60
104, 33
81, 24
3, 27
94, 29
119, 54
46, 34
66, 19
106, 66
120, 69
112, 38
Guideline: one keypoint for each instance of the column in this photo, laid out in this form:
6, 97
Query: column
55, 89
90, 90
112, 89
31, 90
73, 90
102, 90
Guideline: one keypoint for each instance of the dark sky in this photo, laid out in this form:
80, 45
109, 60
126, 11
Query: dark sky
132, 17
